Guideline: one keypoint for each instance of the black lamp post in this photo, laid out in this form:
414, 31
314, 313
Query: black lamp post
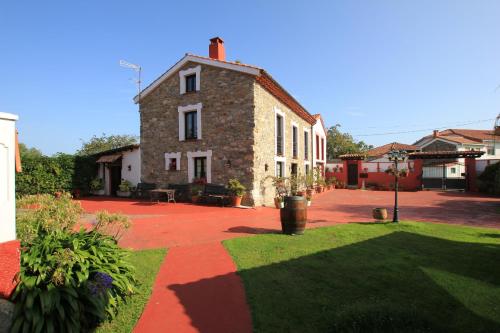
396, 156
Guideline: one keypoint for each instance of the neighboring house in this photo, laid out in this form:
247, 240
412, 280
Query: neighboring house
460, 140
380, 154
210, 118
117, 164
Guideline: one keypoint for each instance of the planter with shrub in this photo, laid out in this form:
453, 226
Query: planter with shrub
97, 186
124, 189
237, 189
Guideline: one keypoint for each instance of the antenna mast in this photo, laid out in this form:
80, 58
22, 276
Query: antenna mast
137, 69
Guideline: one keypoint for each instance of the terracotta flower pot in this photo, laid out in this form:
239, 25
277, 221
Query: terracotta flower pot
237, 201
380, 214
278, 203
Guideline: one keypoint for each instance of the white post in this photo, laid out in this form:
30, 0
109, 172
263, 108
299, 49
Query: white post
7, 177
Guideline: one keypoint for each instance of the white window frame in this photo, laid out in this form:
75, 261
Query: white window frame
170, 156
182, 78
191, 155
279, 159
182, 119
277, 112
296, 125
306, 130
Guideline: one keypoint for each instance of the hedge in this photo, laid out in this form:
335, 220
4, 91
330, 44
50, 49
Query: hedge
61, 172
489, 179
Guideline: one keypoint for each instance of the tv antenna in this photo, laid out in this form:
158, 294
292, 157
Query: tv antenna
136, 69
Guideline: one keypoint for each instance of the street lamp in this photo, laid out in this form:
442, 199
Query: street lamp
396, 156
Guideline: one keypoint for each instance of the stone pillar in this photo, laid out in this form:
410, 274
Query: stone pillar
471, 174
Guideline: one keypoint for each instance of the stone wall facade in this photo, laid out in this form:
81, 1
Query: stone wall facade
238, 128
227, 127
265, 145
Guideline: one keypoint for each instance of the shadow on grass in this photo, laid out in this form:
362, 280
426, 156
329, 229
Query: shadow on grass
398, 282
252, 230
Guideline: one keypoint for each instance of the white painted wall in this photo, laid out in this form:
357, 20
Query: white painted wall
7, 177
437, 171
318, 130
132, 159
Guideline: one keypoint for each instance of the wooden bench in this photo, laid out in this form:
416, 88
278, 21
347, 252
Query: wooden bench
142, 190
217, 193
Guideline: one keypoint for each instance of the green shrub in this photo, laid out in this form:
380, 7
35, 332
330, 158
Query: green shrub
236, 187
42, 214
69, 281
61, 172
489, 179
125, 185
96, 184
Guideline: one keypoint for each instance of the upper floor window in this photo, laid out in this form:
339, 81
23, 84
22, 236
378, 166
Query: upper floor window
317, 147
279, 135
191, 129
294, 142
322, 148
190, 122
190, 79
306, 145
190, 83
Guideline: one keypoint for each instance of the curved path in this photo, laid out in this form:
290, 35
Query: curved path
197, 288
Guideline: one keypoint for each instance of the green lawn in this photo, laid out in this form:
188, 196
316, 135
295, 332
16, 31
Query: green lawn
147, 264
411, 277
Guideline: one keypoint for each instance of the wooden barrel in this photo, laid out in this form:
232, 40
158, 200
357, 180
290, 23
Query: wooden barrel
294, 215
380, 214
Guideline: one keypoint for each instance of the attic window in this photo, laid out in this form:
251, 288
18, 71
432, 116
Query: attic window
190, 79
190, 83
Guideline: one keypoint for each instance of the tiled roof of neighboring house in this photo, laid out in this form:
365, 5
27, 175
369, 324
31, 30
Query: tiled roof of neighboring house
352, 157
262, 77
382, 150
445, 154
463, 136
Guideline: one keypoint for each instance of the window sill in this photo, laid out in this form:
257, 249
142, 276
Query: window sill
190, 92
190, 140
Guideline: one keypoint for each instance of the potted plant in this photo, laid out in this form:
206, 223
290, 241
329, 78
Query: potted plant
97, 186
379, 214
124, 189
309, 183
237, 189
196, 189
278, 202
308, 198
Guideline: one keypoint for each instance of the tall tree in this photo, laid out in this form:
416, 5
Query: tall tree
339, 143
104, 142
26, 152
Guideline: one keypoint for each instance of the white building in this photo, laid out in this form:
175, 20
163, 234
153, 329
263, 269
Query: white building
117, 164
462, 140
319, 143
8, 146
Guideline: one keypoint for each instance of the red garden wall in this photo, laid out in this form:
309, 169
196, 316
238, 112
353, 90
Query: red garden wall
10, 258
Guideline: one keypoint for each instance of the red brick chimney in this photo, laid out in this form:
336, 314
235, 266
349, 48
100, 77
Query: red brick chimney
216, 49
435, 133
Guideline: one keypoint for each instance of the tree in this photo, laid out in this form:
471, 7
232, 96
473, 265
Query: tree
99, 144
26, 152
339, 143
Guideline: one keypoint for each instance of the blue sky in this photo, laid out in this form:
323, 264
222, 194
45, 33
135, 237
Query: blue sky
372, 66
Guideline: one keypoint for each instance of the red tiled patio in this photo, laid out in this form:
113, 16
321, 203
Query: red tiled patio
194, 233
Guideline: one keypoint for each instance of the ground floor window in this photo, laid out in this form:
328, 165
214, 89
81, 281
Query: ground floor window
200, 167
307, 169
280, 169
294, 169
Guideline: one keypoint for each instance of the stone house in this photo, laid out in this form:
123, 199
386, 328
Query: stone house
209, 118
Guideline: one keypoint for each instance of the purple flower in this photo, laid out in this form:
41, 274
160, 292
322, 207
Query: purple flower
100, 283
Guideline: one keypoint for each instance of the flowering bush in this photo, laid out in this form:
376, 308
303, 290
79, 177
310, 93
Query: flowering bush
69, 281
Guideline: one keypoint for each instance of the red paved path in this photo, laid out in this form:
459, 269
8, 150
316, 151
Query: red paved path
197, 289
